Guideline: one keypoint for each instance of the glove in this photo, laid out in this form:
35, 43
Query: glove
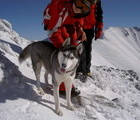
98, 30
98, 34
81, 35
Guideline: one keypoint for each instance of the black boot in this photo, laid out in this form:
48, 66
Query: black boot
81, 76
75, 92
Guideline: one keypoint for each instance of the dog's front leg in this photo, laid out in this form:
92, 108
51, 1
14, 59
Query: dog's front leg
56, 98
46, 78
68, 85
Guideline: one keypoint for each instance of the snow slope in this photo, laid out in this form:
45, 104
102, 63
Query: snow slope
113, 94
120, 47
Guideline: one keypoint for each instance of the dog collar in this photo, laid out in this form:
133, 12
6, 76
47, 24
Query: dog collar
71, 69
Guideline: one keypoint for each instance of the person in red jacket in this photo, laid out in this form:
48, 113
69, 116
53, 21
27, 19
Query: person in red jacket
93, 25
64, 19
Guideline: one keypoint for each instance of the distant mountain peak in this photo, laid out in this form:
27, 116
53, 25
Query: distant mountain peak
137, 28
10, 36
5, 25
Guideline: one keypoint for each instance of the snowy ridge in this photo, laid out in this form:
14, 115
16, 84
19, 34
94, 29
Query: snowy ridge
120, 47
113, 94
10, 41
7, 34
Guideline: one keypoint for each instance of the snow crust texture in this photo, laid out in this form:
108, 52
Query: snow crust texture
112, 94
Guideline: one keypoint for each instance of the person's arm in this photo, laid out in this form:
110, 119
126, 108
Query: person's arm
81, 34
55, 32
57, 38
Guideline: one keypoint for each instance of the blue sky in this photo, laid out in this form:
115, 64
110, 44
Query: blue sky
26, 15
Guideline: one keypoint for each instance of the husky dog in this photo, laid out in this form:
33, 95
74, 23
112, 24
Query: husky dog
60, 63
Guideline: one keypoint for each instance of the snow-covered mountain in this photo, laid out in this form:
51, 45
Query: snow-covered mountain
113, 94
120, 47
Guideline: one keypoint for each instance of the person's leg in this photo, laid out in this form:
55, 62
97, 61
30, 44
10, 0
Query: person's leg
81, 70
85, 60
82, 65
88, 48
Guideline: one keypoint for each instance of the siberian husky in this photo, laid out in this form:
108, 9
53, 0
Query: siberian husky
60, 63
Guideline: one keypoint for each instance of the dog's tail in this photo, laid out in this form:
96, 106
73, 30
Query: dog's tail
25, 53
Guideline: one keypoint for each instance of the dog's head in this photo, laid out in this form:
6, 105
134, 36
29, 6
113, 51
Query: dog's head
68, 56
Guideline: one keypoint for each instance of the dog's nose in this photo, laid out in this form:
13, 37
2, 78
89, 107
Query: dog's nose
64, 65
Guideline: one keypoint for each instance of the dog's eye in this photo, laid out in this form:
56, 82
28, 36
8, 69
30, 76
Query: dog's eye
64, 55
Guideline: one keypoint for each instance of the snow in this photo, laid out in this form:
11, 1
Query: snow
120, 47
113, 93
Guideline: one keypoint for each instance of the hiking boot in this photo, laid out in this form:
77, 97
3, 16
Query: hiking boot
75, 92
78, 75
81, 76
89, 75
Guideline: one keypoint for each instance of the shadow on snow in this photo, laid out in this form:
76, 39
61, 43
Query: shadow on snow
14, 85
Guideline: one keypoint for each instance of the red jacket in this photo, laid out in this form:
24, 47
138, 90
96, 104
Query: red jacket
95, 18
90, 20
60, 23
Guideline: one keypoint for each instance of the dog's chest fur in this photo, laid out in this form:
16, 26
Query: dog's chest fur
63, 77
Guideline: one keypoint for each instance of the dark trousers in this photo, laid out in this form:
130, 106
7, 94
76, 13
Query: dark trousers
85, 60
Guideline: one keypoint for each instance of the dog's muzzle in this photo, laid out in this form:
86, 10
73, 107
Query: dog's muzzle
63, 69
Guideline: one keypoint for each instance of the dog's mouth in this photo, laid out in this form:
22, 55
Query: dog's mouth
63, 70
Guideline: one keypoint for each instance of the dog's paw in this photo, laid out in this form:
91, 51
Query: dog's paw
59, 112
71, 107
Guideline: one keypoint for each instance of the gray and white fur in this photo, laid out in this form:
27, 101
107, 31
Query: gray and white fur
60, 63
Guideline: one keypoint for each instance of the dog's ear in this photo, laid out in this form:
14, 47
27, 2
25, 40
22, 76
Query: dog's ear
66, 42
79, 48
